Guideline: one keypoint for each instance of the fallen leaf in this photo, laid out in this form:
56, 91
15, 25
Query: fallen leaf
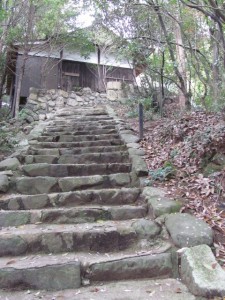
95, 290
10, 262
214, 265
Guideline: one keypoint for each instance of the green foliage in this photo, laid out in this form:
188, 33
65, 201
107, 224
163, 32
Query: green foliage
174, 153
5, 114
147, 103
22, 113
146, 44
132, 114
7, 136
162, 174
7, 140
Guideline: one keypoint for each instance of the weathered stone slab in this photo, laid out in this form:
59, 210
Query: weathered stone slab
50, 159
114, 85
48, 277
70, 184
72, 215
29, 159
79, 99
4, 183
36, 169
150, 192
83, 138
63, 93
44, 169
94, 158
127, 212
121, 196
10, 163
46, 152
55, 238
33, 97
7, 173
201, 272
51, 103
72, 102
159, 206
112, 95
60, 101
133, 145
32, 202
134, 151
188, 231
133, 268
129, 138
146, 229
14, 218
12, 245
37, 185
163, 289
139, 166
121, 179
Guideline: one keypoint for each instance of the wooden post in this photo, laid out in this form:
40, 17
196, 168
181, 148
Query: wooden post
60, 70
141, 120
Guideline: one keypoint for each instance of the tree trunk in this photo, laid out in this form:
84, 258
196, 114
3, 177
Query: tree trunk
183, 87
2, 82
19, 85
27, 47
181, 63
215, 64
161, 103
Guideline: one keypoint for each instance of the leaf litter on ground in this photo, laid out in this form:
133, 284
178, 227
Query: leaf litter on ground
187, 142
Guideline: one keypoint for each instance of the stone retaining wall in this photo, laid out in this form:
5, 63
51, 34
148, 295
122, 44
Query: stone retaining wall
42, 102
119, 91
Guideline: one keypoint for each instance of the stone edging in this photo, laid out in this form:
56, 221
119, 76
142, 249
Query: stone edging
10, 165
192, 238
139, 167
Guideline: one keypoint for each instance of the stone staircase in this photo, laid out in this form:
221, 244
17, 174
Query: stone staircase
75, 214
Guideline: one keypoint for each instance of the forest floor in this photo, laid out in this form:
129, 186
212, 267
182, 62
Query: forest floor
185, 154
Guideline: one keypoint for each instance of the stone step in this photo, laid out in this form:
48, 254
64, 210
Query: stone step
43, 272
75, 127
80, 132
105, 236
67, 170
116, 157
85, 111
122, 196
47, 184
101, 143
81, 122
81, 138
83, 118
162, 289
25, 271
76, 151
75, 215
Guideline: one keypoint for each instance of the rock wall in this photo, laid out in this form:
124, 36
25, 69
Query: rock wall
119, 91
42, 102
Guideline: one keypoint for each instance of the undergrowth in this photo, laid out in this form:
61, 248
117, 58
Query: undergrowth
7, 133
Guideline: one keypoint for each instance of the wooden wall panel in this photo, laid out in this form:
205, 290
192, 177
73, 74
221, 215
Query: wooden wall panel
74, 74
33, 74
